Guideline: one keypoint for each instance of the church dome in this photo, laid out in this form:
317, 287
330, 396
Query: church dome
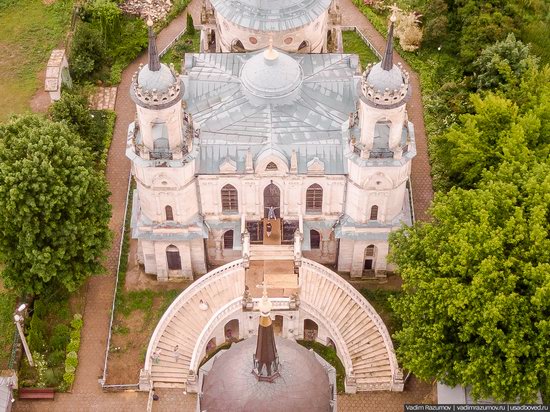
380, 79
159, 80
271, 77
303, 384
270, 15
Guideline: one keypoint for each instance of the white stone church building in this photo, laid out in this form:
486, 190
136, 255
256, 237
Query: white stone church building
327, 147
267, 161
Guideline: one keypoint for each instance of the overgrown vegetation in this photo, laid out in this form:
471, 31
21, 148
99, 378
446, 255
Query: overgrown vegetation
7, 328
476, 304
354, 44
328, 354
188, 43
53, 335
381, 299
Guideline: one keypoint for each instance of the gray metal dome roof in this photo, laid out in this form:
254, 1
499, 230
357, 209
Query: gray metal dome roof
231, 386
271, 75
271, 15
381, 79
159, 80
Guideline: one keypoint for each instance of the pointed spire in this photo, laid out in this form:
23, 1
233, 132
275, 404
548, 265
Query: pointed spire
387, 61
270, 53
266, 351
154, 62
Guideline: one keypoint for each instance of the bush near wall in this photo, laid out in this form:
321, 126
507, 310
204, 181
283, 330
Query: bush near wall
71, 360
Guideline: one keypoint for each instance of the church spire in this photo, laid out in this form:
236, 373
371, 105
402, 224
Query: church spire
266, 351
387, 61
154, 62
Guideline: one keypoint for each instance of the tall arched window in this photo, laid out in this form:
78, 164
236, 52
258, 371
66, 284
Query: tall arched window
229, 199
228, 239
314, 239
374, 213
173, 258
169, 213
314, 199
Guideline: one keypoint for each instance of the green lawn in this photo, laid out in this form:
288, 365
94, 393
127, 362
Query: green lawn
353, 43
30, 31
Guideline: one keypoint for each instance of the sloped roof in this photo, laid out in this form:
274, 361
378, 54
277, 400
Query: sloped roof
271, 15
230, 123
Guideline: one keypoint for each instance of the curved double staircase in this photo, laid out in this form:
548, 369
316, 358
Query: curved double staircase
360, 336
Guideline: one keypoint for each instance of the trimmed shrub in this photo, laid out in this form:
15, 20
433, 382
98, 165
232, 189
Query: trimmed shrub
87, 52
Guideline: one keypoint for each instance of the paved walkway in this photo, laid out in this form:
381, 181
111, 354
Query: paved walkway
87, 394
421, 179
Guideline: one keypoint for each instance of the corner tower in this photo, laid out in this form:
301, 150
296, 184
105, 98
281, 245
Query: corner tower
379, 165
165, 218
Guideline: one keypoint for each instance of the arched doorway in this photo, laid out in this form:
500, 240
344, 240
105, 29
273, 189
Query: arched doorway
231, 330
278, 325
173, 258
330, 343
272, 198
311, 330
370, 259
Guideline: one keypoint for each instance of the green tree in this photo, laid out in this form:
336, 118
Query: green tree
476, 307
190, 28
87, 52
54, 207
502, 64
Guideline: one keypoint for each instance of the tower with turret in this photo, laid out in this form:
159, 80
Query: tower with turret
166, 215
379, 164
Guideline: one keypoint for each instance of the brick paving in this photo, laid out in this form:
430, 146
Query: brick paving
104, 98
421, 179
86, 393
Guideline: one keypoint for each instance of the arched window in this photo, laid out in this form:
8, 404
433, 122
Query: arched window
370, 252
229, 199
271, 167
228, 239
303, 48
237, 46
374, 213
314, 239
173, 258
314, 199
169, 213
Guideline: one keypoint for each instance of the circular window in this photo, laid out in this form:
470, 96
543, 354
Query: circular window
253, 40
288, 40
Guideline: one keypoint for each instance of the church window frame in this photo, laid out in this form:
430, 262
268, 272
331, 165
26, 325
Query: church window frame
230, 199
314, 199
314, 239
169, 213
373, 212
272, 167
228, 239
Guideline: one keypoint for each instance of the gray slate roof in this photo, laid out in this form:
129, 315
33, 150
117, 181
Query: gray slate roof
230, 124
271, 15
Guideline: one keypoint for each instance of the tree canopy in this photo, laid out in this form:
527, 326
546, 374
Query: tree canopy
54, 209
477, 305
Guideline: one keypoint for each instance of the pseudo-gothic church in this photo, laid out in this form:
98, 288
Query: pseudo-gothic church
270, 159
266, 119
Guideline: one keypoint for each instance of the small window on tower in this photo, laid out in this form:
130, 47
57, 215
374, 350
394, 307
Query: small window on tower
271, 167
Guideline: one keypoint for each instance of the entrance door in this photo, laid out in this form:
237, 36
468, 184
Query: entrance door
272, 199
173, 258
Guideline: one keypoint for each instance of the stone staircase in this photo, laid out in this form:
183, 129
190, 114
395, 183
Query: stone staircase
362, 332
184, 321
271, 252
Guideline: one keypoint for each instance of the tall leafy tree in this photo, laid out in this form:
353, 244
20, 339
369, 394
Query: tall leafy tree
54, 209
476, 307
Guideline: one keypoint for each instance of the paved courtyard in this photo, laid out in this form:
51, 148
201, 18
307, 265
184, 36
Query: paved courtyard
87, 394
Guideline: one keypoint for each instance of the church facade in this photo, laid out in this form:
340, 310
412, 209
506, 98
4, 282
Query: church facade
301, 140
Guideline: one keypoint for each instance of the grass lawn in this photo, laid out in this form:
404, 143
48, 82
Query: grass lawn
30, 31
7, 327
186, 44
353, 43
